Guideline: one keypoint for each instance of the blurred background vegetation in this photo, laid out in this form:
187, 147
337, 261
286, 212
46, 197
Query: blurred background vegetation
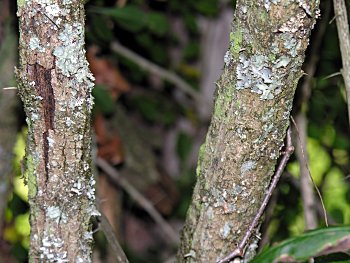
155, 64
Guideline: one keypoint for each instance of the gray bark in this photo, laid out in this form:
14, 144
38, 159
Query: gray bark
254, 98
55, 86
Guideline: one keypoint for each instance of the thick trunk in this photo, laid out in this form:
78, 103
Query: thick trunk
55, 86
253, 102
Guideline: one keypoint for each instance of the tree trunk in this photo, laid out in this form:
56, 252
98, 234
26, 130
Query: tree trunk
55, 86
253, 101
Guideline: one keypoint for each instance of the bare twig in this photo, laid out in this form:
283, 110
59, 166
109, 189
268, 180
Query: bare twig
306, 187
107, 229
344, 41
239, 251
140, 199
9, 88
156, 70
332, 75
311, 178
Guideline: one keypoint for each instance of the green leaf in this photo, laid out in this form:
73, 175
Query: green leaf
100, 30
315, 243
129, 17
103, 99
158, 23
207, 7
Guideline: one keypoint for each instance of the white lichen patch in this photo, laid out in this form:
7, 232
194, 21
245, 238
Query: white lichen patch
247, 166
260, 75
53, 10
210, 213
77, 187
282, 62
267, 4
305, 5
92, 210
223, 199
34, 44
50, 141
88, 235
228, 58
70, 56
54, 212
294, 24
91, 189
225, 230
52, 250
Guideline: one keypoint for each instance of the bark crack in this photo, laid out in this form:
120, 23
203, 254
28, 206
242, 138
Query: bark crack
45, 91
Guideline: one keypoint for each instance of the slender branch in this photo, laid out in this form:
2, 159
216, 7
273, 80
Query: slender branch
9, 88
239, 251
344, 41
332, 75
140, 199
156, 70
311, 178
111, 238
306, 187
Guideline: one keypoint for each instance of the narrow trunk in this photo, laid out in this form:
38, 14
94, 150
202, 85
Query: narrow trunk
55, 86
253, 101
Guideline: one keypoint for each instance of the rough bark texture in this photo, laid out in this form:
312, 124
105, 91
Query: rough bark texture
55, 86
253, 101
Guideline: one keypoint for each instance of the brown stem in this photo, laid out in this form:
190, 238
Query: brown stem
139, 198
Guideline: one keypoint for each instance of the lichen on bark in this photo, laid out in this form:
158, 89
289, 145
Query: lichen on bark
55, 86
253, 101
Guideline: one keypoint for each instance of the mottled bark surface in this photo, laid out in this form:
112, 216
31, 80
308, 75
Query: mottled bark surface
253, 102
55, 86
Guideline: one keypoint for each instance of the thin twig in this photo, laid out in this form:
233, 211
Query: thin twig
10, 88
344, 42
239, 251
333, 18
311, 178
306, 187
140, 199
332, 75
107, 229
156, 70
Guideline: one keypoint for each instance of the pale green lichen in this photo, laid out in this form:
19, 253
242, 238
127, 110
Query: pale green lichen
224, 98
201, 155
21, 3
30, 175
236, 39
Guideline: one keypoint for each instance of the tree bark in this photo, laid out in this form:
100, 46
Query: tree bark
55, 86
254, 98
